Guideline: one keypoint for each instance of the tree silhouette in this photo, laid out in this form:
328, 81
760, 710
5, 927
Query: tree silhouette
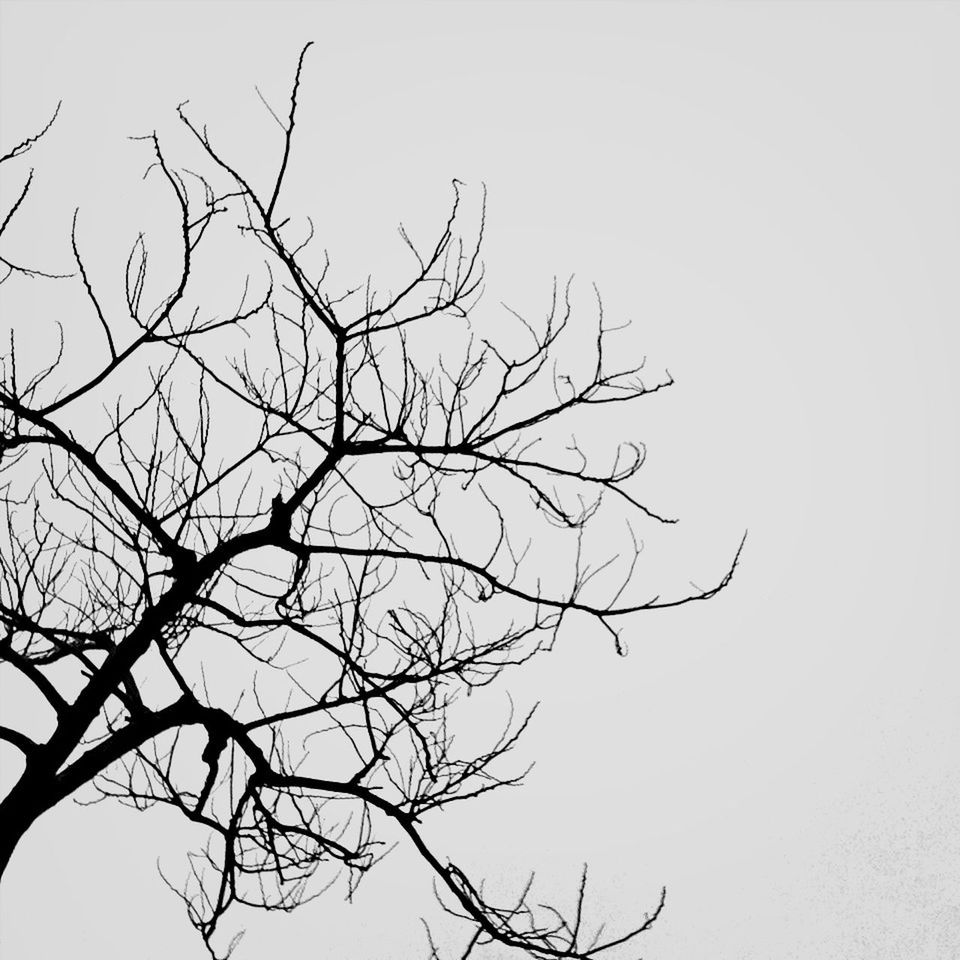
253, 557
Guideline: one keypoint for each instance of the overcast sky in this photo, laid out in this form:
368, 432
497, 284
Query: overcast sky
770, 192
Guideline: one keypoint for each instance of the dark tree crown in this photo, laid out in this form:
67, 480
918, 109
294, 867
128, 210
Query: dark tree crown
253, 558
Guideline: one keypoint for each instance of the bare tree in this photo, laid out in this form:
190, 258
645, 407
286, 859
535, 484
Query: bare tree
254, 557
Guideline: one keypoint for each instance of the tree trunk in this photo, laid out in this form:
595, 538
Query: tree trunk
18, 812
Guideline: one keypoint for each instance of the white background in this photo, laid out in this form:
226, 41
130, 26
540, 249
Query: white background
770, 192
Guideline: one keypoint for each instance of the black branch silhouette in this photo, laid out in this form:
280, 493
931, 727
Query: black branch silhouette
314, 518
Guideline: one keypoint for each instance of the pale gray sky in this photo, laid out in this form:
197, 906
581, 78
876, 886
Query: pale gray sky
770, 192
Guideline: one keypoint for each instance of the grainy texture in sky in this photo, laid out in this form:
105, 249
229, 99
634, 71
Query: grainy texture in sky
770, 192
